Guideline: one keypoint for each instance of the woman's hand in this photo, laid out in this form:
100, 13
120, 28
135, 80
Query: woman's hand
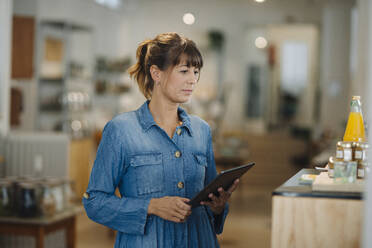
171, 208
217, 204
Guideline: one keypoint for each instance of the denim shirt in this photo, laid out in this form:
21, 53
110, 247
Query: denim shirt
139, 158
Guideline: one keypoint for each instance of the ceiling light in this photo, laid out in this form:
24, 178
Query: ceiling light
260, 42
260, 1
188, 18
113, 4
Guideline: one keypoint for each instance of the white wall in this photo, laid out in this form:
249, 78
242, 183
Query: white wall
110, 28
335, 59
5, 45
366, 28
25, 7
361, 72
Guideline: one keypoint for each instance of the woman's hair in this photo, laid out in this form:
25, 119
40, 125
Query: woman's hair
165, 52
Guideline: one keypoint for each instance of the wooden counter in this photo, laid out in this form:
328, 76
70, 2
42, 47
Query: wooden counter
42, 226
305, 218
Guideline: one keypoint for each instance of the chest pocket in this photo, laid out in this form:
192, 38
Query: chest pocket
201, 166
148, 169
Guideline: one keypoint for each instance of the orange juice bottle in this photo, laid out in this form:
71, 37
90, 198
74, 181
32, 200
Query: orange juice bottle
355, 126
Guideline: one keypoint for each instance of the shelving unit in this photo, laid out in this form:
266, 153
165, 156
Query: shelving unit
64, 77
113, 88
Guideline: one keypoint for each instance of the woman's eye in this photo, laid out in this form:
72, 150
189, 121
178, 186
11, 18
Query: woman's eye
184, 71
196, 72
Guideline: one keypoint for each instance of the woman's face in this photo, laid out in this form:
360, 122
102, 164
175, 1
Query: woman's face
179, 82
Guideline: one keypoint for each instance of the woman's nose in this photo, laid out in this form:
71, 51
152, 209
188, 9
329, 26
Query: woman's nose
193, 79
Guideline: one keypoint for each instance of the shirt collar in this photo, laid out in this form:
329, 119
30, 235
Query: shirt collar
147, 120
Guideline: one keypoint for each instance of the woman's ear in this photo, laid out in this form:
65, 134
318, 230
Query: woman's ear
155, 73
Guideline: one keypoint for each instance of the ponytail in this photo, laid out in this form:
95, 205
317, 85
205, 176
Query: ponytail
138, 71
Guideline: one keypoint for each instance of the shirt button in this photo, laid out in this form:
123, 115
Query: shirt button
180, 185
179, 131
177, 154
86, 195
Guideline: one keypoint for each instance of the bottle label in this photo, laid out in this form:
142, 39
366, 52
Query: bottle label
347, 155
361, 173
339, 154
359, 155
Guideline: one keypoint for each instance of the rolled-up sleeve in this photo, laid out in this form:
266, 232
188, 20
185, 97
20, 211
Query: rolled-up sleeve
211, 173
127, 215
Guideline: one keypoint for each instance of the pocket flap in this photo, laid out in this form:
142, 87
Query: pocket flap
146, 159
202, 159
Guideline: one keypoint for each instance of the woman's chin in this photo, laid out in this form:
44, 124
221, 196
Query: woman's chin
185, 99
182, 99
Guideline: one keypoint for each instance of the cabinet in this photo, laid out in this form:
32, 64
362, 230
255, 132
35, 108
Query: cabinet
23, 33
81, 158
302, 217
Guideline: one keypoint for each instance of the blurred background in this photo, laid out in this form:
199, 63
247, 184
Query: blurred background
276, 87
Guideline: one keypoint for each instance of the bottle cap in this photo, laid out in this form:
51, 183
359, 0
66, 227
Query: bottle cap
355, 98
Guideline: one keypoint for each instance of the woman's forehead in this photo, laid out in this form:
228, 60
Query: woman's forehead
185, 60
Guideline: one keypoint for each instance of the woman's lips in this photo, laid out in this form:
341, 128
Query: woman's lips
187, 92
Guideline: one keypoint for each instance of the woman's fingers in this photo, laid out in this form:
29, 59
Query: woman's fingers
182, 204
172, 208
207, 203
225, 195
216, 201
184, 199
217, 204
181, 208
234, 186
183, 213
178, 214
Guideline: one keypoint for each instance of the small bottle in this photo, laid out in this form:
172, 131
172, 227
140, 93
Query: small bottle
48, 202
358, 152
355, 131
339, 151
361, 169
348, 151
364, 147
331, 167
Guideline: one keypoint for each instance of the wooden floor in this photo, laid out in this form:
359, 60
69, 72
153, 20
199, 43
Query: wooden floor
249, 221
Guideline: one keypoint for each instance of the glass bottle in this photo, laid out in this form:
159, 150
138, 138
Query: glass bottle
355, 126
48, 202
339, 151
6, 197
28, 202
68, 193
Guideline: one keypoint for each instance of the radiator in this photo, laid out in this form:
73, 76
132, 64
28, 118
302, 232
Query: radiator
34, 154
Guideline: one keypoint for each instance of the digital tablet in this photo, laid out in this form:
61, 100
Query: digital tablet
225, 179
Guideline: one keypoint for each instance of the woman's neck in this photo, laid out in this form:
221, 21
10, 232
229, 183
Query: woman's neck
164, 112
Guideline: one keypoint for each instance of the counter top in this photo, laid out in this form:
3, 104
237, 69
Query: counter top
67, 213
292, 188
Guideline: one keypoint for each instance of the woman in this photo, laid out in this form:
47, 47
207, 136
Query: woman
159, 157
